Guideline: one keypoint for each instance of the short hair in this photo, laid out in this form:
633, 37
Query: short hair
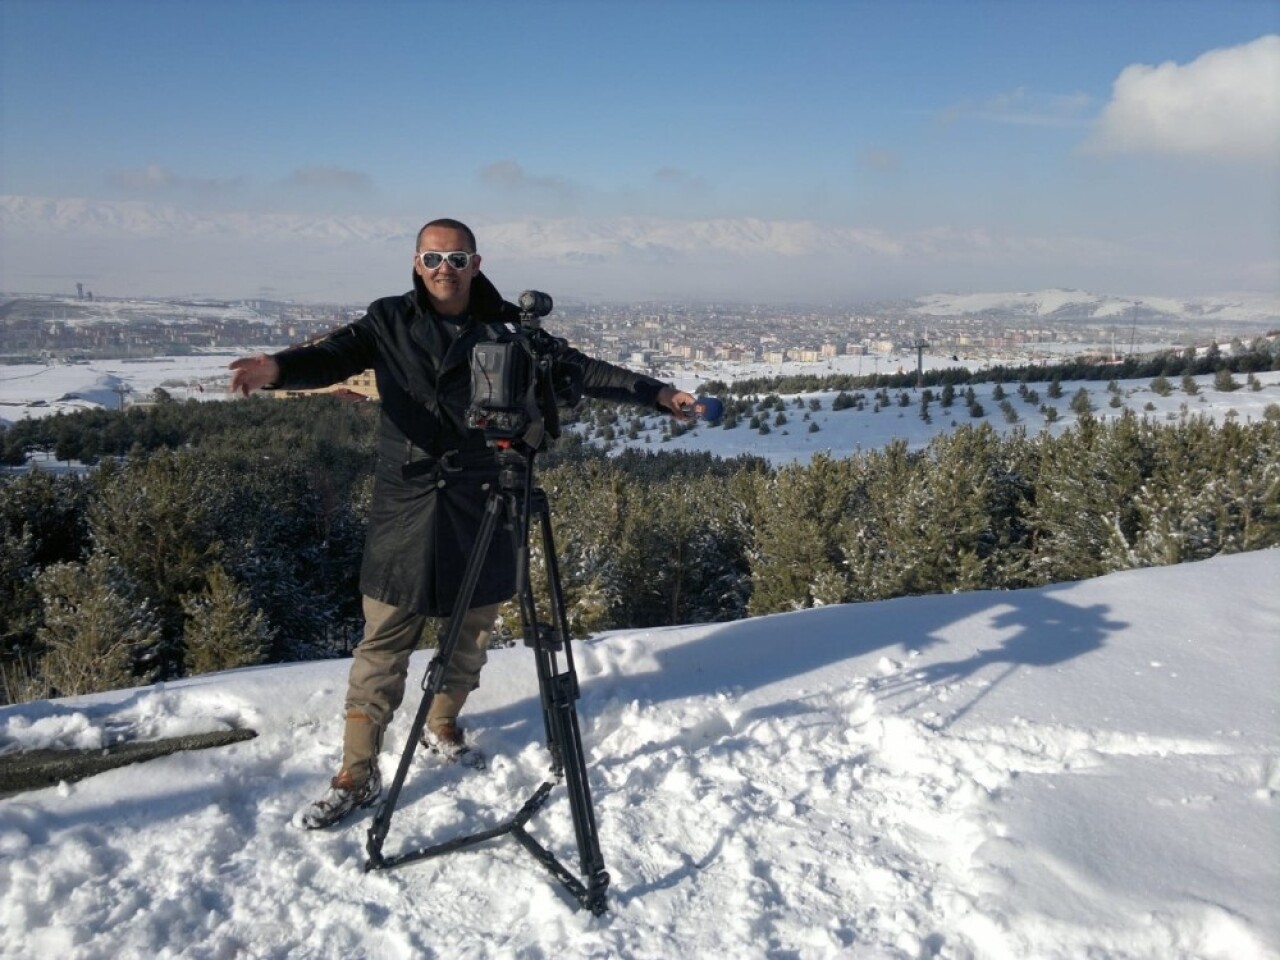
447, 224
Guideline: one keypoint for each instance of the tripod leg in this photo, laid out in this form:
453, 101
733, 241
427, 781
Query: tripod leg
434, 679
560, 691
534, 637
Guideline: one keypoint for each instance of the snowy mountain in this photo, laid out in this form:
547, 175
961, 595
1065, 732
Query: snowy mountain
545, 237
147, 220
1077, 305
742, 258
1085, 770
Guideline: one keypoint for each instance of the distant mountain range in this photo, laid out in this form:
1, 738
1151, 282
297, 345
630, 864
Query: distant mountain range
1066, 306
145, 219
162, 247
571, 237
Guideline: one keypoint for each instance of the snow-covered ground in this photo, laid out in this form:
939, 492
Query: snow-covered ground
39, 390
1089, 769
1084, 770
842, 433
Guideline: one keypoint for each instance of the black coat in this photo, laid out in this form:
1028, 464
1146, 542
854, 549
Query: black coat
424, 518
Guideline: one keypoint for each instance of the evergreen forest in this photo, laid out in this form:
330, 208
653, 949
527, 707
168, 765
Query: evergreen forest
216, 535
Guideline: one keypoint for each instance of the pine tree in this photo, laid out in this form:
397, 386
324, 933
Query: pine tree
19, 601
1071, 529
159, 519
224, 629
1223, 380
41, 522
97, 634
1081, 405
947, 519
799, 521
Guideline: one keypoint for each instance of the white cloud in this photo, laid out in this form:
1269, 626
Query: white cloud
510, 175
331, 178
1224, 104
152, 178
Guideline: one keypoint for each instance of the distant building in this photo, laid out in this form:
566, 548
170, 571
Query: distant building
362, 383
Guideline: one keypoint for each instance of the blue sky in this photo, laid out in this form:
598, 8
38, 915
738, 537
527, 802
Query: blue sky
948, 145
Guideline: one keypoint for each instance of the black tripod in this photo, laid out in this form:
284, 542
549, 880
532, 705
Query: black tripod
519, 501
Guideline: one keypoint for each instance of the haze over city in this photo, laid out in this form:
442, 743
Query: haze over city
705, 150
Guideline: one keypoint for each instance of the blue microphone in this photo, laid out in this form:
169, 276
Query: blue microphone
707, 408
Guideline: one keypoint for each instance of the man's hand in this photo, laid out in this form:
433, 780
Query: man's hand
678, 402
253, 373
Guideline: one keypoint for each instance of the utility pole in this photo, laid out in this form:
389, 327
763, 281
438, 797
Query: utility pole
921, 346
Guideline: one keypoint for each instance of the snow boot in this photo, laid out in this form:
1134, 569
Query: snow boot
343, 798
446, 741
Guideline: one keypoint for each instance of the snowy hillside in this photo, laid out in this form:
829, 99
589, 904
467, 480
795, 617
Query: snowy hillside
40, 390
842, 433
1085, 770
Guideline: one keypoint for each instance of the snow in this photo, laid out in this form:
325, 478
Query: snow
43, 389
1089, 769
1085, 770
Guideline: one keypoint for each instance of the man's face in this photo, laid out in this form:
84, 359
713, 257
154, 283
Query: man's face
448, 287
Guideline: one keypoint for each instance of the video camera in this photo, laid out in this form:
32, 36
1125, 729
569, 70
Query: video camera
516, 383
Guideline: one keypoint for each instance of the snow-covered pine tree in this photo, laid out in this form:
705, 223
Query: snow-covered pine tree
98, 634
801, 519
224, 628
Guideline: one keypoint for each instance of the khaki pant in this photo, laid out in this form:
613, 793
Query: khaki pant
380, 664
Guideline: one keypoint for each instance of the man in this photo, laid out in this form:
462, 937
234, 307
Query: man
431, 482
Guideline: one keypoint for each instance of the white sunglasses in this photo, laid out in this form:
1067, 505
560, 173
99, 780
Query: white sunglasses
458, 259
